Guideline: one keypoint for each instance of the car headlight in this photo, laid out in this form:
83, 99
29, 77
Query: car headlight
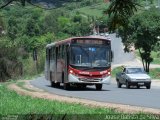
148, 79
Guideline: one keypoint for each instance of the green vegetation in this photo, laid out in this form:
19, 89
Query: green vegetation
142, 31
94, 10
21, 84
155, 73
34, 108
17, 104
154, 54
25, 31
116, 70
156, 57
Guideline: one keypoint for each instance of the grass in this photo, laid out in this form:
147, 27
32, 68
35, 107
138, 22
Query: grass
26, 107
116, 70
94, 10
154, 55
155, 73
156, 59
12, 103
21, 85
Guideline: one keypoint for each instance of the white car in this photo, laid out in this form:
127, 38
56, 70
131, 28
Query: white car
133, 76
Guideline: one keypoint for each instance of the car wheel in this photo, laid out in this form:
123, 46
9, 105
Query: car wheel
148, 86
53, 84
127, 85
98, 86
119, 85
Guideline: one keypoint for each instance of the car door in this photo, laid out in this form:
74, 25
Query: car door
123, 76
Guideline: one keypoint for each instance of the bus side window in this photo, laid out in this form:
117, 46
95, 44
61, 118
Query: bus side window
63, 52
58, 52
53, 54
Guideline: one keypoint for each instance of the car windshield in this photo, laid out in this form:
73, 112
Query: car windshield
90, 56
135, 71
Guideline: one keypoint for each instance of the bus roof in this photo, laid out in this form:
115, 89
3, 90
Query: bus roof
67, 41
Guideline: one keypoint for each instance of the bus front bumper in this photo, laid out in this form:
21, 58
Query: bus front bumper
75, 79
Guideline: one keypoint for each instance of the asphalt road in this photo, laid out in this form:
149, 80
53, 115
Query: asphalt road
117, 47
110, 93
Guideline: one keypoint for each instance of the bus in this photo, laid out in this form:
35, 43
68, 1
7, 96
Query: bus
79, 61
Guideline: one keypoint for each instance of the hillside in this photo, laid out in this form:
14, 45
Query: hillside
27, 29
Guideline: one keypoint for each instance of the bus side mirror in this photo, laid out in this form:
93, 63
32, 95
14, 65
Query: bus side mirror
112, 56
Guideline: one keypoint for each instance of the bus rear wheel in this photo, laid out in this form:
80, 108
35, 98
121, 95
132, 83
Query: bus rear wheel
53, 84
98, 86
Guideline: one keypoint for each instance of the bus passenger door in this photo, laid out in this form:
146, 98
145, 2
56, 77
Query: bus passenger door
52, 64
48, 60
47, 64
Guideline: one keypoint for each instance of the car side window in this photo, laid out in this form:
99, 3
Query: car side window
127, 72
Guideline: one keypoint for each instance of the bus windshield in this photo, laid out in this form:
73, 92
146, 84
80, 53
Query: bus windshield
90, 56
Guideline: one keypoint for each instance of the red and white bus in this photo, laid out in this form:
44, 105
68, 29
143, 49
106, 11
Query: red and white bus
79, 61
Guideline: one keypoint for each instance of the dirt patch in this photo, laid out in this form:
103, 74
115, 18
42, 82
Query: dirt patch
38, 93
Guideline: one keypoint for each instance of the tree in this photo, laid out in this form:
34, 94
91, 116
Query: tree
143, 31
10, 66
32, 28
51, 4
119, 12
12, 28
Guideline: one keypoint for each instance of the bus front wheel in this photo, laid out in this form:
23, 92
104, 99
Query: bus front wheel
98, 86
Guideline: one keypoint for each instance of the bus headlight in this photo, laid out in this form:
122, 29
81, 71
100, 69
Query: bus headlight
109, 73
71, 71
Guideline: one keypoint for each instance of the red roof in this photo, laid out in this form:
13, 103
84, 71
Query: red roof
68, 41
